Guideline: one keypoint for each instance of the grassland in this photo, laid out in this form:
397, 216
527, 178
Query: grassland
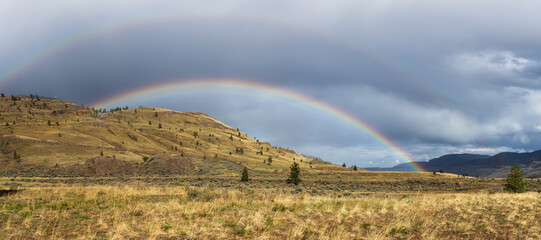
140, 210
347, 205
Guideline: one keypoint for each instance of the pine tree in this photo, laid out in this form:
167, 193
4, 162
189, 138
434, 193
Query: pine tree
269, 160
160, 125
344, 165
354, 167
244, 177
294, 175
515, 181
155, 114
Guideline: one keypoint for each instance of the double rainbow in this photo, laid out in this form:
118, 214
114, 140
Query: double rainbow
26, 64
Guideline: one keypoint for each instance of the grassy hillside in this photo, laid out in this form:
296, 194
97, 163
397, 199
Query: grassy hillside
42, 133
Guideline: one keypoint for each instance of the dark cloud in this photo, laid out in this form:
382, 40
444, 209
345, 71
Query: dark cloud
434, 77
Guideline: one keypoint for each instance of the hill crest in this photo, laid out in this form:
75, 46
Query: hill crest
50, 133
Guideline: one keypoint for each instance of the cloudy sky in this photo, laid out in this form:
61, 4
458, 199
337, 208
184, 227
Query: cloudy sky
435, 77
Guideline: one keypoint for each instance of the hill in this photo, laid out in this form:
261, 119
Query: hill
481, 165
42, 136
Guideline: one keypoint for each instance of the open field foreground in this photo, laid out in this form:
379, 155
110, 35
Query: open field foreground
145, 211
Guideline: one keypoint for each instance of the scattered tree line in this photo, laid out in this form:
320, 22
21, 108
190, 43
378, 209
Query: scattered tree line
294, 175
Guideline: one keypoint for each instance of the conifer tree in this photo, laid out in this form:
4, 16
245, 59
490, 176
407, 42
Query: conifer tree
294, 174
515, 181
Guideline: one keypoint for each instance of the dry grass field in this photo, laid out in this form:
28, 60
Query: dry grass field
139, 210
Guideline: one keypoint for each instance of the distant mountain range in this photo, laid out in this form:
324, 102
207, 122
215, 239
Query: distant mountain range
478, 165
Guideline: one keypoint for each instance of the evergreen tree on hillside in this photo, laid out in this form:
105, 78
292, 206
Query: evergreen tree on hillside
515, 181
294, 175
244, 176
354, 167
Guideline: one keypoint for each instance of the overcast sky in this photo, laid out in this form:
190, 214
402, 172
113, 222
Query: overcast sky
435, 77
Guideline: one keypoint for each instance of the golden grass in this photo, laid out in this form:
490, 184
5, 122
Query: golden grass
30, 128
140, 211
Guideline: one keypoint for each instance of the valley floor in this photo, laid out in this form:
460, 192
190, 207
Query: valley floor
139, 209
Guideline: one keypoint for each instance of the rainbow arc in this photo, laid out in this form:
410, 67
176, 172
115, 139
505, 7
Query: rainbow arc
183, 86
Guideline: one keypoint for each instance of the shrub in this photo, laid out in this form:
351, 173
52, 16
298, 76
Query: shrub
200, 195
515, 181
16, 156
244, 176
166, 227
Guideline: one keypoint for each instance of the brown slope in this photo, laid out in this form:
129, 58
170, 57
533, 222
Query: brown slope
52, 133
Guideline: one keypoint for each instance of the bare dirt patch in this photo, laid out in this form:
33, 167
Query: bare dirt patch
99, 166
166, 165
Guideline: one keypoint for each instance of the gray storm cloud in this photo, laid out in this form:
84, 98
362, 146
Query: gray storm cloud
436, 77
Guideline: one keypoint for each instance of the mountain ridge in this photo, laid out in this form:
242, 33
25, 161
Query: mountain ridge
497, 165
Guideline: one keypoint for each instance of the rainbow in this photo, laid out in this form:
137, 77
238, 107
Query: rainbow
175, 87
49, 51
